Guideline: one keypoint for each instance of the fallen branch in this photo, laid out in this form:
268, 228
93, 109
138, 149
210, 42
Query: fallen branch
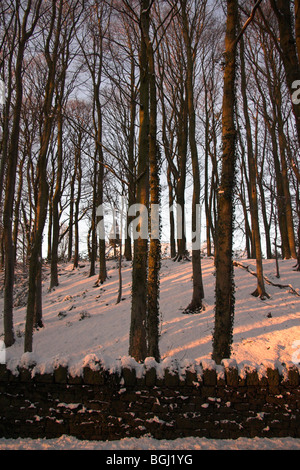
281, 286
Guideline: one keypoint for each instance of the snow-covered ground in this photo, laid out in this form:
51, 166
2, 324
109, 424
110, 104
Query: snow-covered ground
81, 320
148, 443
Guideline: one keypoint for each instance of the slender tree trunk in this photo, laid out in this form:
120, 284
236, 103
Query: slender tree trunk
248, 234
50, 218
286, 253
38, 307
259, 179
119, 298
297, 26
198, 291
260, 291
5, 144
17, 208
171, 214
35, 254
289, 47
9, 191
271, 126
172, 172
71, 216
285, 178
207, 196
43, 187
225, 302
56, 199
101, 242
182, 136
131, 165
93, 251
245, 184
77, 202
297, 266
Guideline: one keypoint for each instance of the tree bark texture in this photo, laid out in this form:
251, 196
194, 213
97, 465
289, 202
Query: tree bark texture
225, 302
138, 327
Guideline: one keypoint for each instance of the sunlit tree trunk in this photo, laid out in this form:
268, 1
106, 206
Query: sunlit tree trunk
290, 47
138, 329
154, 183
225, 302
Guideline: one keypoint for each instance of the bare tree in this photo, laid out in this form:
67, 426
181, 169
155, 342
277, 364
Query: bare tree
138, 332
51, 52
25, 22
260, 290
192, 33
225, 301
224, 309
63, 89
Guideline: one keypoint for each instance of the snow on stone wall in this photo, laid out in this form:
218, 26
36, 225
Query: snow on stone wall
100, 400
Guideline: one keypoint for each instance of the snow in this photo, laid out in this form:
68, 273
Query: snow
148, 443
83, 325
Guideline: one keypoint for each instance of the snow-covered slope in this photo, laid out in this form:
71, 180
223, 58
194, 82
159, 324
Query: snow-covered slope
81, 320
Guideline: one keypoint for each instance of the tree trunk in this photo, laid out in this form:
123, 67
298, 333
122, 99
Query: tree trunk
17, 207
224, 309
267, 223
43, 187
271, 126
34, 263
138, 334
281, 208
207, 196
198, 291
285, 178
289, 47
171, 213
93, 251
102, 258
38, 307
56, 200
71, 215
131, 164
260, 291
182, 136
77, 202
10, 188
154, 183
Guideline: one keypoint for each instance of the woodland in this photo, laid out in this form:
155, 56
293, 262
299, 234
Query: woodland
146, 101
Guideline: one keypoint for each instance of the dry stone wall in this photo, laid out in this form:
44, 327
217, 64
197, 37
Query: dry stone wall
99, 404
